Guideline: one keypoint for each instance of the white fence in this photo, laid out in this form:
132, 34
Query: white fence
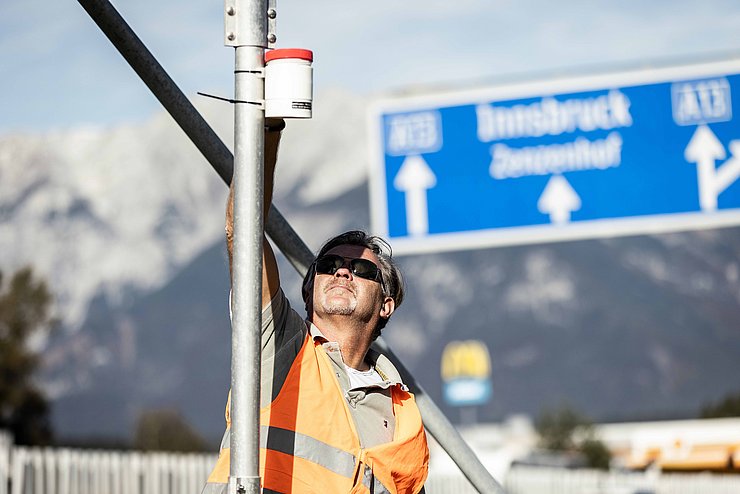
66, 471
532, 480
6, 442
539, 480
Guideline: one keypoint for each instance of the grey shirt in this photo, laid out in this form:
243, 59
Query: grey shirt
283, 333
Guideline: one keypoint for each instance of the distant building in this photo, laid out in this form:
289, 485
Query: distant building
685, 445
671, 445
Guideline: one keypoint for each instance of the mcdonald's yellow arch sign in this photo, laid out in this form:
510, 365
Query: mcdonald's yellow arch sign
466, 373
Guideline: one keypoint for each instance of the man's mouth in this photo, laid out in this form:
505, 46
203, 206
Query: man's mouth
339, 285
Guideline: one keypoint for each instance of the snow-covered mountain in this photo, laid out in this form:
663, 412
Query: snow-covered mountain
114, 210
127, 226
105, 211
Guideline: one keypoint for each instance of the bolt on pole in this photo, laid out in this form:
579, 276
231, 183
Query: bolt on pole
245, 24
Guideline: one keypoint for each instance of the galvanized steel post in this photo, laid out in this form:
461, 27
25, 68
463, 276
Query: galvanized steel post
245, 25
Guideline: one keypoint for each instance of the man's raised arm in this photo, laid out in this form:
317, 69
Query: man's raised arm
270, 275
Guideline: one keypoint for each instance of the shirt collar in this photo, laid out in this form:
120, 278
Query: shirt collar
382, 364
316, 333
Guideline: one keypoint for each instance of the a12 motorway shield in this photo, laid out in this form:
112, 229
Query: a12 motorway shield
615, 154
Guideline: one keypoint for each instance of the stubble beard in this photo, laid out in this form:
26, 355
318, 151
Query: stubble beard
337, 307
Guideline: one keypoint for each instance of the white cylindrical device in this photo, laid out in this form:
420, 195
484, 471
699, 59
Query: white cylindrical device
288, 83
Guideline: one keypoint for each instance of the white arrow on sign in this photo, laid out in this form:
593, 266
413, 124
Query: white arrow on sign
415, 178
704, 149
559, 200
730, 170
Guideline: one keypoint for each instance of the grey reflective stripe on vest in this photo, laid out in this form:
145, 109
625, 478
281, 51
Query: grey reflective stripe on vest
372, 483
226, 440
215, 488
308, 448
311, 449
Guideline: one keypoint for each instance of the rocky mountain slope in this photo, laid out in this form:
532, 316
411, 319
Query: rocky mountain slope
126, 224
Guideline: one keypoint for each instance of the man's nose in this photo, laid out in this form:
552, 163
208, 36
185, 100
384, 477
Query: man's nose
344, 272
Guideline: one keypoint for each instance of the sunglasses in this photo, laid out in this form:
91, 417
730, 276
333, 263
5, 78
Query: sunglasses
331, 263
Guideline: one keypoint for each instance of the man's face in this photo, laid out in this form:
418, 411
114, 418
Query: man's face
344, 293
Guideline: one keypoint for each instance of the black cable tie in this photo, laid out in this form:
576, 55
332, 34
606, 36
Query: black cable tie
247, 71
232, 101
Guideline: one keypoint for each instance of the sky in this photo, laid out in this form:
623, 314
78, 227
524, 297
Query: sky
59, 71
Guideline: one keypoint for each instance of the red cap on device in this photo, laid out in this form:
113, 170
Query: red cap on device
281, 53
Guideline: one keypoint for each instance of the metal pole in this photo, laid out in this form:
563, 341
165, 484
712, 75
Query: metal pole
277, 227
246, 31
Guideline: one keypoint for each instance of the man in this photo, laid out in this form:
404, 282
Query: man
335, 416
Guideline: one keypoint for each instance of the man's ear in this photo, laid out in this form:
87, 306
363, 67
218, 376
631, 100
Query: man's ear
387, 308
308, 293
307, 288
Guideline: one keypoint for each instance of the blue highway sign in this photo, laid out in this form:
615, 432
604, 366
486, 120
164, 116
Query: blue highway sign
616, 154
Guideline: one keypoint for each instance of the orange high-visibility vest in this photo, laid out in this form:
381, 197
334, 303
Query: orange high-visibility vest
308, 440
